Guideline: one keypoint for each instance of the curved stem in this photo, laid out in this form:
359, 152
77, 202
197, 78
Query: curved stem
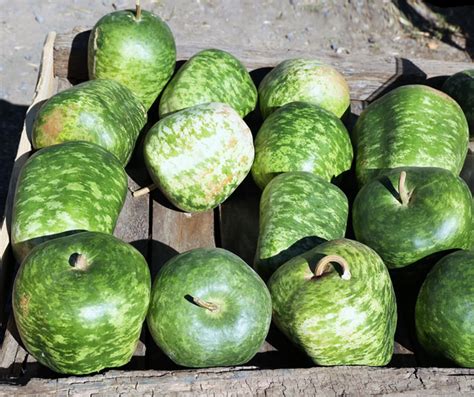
323, 264
138, 10
402, 189
207, 305
144, 190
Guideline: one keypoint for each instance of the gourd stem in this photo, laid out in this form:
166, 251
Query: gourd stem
138, 10
144, 190
207, 305
402, 189
80, 262
323, 264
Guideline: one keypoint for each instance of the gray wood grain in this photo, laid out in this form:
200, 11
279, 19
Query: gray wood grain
246, 381
366, 77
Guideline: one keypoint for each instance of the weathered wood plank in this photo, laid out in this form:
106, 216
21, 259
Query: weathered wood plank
133, 224
45, 87
10, 353
174, 231
63, 84
239, 216
377, 74
15, 361
250, 381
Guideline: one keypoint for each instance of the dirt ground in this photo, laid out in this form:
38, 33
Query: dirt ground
393, 27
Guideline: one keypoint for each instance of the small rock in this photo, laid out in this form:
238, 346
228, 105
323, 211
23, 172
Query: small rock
39, 18
289, 36
371, 40
119, 4
341, 50
432, 45
27, 57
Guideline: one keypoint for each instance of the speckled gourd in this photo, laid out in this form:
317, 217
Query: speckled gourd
411, 126
209, 308
412, 212
444, 309
336, 302
304, 80
63, 189
210, 76
298, 210
100, 111
136, 48
80, 301
301, 136
199, 155
460, 87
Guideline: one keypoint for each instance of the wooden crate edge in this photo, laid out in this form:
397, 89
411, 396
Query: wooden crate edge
45, 87
255, 381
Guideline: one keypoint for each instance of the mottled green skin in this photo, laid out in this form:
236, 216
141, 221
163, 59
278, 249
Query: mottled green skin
198, 156
210, 76
301, 137
81, 320
471, 244
460, 86
298, 210
337, 321
102, 111
65, 188
436, 218
411, 126
195, 336
140, 54
444, 312
304, 80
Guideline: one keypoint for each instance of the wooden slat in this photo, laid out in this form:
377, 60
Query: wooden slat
133, 225
339, 381
239, 221
377, 74
174, 231
11, 354
45, 87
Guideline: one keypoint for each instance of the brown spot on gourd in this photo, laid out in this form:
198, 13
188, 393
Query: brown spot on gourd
244, 160
232, 143
216, 189
51, 127
207, 172
227, 111
25, 304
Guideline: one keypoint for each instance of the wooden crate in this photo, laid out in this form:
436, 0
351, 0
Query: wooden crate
159, 231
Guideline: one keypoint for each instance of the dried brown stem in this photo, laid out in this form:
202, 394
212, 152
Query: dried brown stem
323, 264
